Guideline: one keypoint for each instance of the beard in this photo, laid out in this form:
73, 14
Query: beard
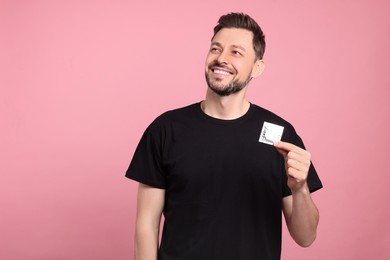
232, 87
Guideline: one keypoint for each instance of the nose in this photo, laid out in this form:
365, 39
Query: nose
223, 58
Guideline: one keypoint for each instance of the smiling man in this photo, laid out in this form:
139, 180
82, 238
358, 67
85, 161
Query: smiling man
217, 169
226, 79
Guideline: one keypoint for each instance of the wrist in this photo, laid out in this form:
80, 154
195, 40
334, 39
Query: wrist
303, 190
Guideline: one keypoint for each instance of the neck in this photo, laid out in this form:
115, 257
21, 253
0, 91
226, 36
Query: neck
227, 108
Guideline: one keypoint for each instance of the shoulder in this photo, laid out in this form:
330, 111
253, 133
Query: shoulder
174, 117
177, 114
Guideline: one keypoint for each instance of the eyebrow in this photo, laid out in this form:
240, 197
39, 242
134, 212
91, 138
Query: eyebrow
239, 47
233, 46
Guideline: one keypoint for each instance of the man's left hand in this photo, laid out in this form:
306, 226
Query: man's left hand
297, 164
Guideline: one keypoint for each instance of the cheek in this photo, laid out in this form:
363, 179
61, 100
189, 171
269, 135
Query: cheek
249, 70
243, 71
209, 59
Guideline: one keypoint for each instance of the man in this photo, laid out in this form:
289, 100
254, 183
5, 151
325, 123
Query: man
222, 191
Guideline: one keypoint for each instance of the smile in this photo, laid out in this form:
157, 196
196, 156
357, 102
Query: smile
222, 72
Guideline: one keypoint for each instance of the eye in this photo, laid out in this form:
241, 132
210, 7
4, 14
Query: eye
214, 50
237, 53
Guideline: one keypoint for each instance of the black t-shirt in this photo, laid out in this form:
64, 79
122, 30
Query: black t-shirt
224, 188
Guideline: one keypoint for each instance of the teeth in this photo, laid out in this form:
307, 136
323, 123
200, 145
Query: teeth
221, 72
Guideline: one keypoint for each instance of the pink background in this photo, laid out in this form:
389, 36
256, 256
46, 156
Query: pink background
81, 80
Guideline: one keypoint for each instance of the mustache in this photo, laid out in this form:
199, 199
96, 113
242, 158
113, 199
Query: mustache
221, 66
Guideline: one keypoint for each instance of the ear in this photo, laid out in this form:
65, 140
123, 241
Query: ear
258, 68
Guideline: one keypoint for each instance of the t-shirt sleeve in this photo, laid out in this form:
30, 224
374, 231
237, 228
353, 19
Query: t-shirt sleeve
146, 166
313, 179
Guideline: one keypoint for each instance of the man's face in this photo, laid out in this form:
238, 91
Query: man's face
230, 61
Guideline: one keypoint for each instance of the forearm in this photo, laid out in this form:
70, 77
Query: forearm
146, 243
304, 218
149, 209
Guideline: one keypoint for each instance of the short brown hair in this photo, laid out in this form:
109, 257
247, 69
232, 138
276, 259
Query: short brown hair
243, 21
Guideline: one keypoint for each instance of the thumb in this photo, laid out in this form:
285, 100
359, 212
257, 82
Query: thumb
281, 151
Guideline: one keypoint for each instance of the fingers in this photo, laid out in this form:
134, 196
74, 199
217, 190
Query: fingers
283, 152
292, 151
300, 156
284, 145
288, 147
295, 174
297, 163
297, 170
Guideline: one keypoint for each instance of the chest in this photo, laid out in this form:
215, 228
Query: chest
203, 160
